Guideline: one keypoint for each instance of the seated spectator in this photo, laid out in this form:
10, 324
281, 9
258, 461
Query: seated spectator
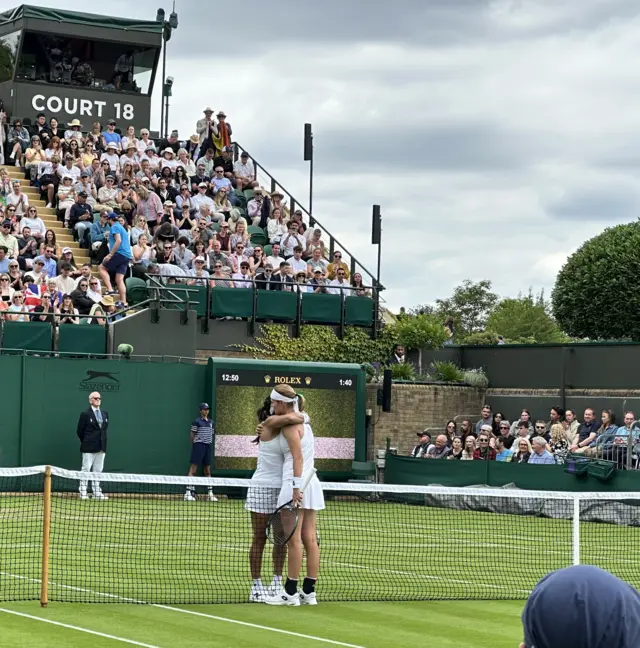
51, 286
34, 223
469, 448
18, 199
274, 259
497, 418
291, 240
587, 433
297, 262
108, 195
256, 260
300, 279
37, 274
143, 254
284, 276
68, 313
206, 162
556, 415
217, 256
219, 181
332, 268
49, 261
27, 249
276, 228
504, 432
484, 452
570, 425
8, 240
267, 279
316, 262
220, 278
618, 450
81, 219
15, 276
66, 198
358, 289
523, 450
558, 443
6, 291
85, 273
44, 312
111, 139
485, 418
313, 243
18, 141
451, 430
525, 417
440, 450
34, 155
166, 233
144, 143
183, 255
241, 236
318, 283
540, 428
65, 283
255, 206
605, 434
502, 452
18, 311
149, 206
4, 259
81, 300
186, 167
242, 279
457, 449
340, 285
540, 454
199, 274
419, 451
225, 160
244, 172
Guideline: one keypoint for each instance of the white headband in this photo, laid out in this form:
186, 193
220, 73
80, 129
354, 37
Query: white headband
275, 396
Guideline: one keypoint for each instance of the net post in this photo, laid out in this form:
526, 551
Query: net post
46, 529
576, 531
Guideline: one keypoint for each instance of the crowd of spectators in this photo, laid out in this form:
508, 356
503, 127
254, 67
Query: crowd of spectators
191, 214
494, 438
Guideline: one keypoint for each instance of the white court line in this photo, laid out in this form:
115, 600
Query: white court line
78, 629
198, 614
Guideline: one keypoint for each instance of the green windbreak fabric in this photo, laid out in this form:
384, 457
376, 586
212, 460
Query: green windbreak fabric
231, 302
321, 309
358, 311
82, 338
277, 305
31, 336
75, 17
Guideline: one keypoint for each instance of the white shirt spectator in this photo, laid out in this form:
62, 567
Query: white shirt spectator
201, 277
36, 225
275, 230
241, 280
113, 159
290, 240
336, 290
201, 199
244, 170
73, 172
275, 261
65, 285
172, 164
22, 206
135, 160
298, 265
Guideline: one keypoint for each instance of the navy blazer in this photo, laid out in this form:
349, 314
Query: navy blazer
92, 435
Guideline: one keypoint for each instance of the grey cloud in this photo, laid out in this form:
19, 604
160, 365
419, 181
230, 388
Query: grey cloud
608, 205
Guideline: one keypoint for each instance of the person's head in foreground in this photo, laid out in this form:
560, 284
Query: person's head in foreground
600, 611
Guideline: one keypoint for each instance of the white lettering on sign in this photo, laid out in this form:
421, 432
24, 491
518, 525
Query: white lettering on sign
85, 107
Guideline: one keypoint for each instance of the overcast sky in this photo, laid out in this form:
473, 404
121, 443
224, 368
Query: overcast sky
496, 135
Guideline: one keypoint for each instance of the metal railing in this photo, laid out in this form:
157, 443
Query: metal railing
312, 221
620, 447
210, 281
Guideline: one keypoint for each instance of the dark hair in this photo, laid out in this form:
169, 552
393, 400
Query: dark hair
612, 417
455, 426
559, 411
263, 414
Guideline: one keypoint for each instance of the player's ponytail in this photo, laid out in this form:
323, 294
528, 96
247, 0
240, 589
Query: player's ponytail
263, 414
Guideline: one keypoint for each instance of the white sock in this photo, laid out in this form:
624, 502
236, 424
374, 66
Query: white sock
257, 583
277, 580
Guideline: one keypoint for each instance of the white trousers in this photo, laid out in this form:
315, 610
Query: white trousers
92, 462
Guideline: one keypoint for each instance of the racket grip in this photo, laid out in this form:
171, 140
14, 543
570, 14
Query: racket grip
307, 479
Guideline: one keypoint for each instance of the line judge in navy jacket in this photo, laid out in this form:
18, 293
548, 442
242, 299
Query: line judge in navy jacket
92, 432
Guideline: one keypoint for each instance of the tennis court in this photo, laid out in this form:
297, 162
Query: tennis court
378, 556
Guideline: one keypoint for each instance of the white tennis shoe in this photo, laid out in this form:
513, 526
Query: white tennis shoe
212, 497
283, 599
100, 496
308, 599
275, 589
188, 497
257, 595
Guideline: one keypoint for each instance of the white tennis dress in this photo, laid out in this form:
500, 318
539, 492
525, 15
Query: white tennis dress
261, 499
313, 497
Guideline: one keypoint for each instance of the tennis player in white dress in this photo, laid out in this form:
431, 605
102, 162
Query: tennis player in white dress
298, 449
262, 501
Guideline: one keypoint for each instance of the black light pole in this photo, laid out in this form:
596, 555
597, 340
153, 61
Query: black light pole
168, 27
308, 157
166, 93
376, 239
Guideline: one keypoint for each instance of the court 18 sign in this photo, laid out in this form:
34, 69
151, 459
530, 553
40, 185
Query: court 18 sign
81, 107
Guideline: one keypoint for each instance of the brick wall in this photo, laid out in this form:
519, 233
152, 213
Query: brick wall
416, 407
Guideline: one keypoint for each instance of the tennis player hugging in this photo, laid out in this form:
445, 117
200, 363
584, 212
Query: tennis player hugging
283, 499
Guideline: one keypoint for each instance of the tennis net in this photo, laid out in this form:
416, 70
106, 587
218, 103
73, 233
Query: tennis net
144, 543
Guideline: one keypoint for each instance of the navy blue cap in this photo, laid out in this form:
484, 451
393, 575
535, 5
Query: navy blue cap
204, 406
596, 609
112, 216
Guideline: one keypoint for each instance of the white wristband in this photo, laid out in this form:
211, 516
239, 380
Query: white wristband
297, 482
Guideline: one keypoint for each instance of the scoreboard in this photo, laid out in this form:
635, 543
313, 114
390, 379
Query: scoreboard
334, 400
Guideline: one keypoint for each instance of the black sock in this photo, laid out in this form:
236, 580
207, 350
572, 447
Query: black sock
309, 585
291, 586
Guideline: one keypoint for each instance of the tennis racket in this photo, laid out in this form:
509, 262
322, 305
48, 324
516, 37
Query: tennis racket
283, 522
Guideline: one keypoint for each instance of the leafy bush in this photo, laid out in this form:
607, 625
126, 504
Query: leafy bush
420, 332
525, 318
483, 338
597, 294
446, 371
404, 371
475, 378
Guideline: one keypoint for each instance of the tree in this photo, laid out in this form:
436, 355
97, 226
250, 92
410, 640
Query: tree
469, 306
525, 318
597, 292
419, 332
